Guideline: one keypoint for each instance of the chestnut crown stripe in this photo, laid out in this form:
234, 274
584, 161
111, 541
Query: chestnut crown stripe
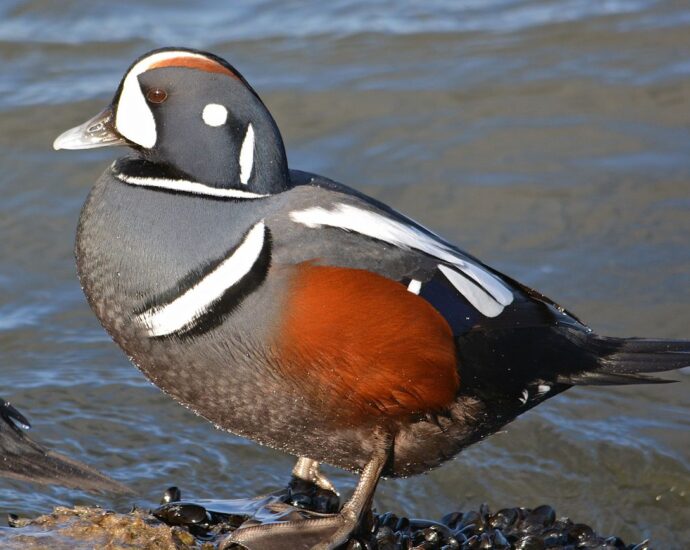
133, 117
486, 292
193, 61
182, 312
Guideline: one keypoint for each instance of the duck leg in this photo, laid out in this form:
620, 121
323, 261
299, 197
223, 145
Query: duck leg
360, 501
319, 533
307, 469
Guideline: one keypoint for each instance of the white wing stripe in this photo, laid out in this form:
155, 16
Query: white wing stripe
371, 224
474, 294
186, 308
185, 186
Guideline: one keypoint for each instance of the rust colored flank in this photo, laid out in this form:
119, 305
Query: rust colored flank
365, 342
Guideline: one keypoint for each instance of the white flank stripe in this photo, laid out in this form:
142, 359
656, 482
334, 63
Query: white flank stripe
475, 295
247, 155
366, 222
185, 309
415, 286
543, 388
185, 186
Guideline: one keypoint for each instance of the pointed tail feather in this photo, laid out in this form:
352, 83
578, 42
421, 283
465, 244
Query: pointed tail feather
626, 360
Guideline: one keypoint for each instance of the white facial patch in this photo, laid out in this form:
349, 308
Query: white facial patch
133, 118
483, 289
247, 155
196, 300
214, 114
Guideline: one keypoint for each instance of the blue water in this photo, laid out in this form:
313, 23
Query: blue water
550, 139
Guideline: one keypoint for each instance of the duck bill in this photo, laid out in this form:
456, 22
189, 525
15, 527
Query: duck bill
98, 131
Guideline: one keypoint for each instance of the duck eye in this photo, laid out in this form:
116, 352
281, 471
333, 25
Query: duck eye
156, 95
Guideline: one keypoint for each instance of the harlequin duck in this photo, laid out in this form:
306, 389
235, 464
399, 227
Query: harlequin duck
22, 458
290, 309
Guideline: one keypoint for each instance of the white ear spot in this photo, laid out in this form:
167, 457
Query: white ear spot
214, 114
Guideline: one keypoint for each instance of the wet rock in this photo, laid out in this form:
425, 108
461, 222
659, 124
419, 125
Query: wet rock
183, 513
303, 494
402, 524
451, 520
486, 541
530, 542
431, 535
183, 525
542, 516
580, 533
614, 543
326, 502
500, 541
85, 527
555, 538
171, 494
385, 538
472, 522
503, 518
13, 520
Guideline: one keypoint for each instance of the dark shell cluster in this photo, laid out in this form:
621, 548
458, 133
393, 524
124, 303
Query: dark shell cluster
510, 528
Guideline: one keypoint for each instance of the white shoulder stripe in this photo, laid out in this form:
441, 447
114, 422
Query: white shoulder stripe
185, 309
377, 226
185, 186
247, 155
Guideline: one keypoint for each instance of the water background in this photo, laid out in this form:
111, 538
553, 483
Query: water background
551, 139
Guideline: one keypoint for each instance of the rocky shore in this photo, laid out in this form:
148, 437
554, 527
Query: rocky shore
182, 525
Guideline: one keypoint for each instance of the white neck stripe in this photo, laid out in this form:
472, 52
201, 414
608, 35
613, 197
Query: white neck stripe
185, 186
192, 304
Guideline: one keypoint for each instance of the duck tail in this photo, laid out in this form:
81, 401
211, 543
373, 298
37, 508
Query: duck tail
630, 360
